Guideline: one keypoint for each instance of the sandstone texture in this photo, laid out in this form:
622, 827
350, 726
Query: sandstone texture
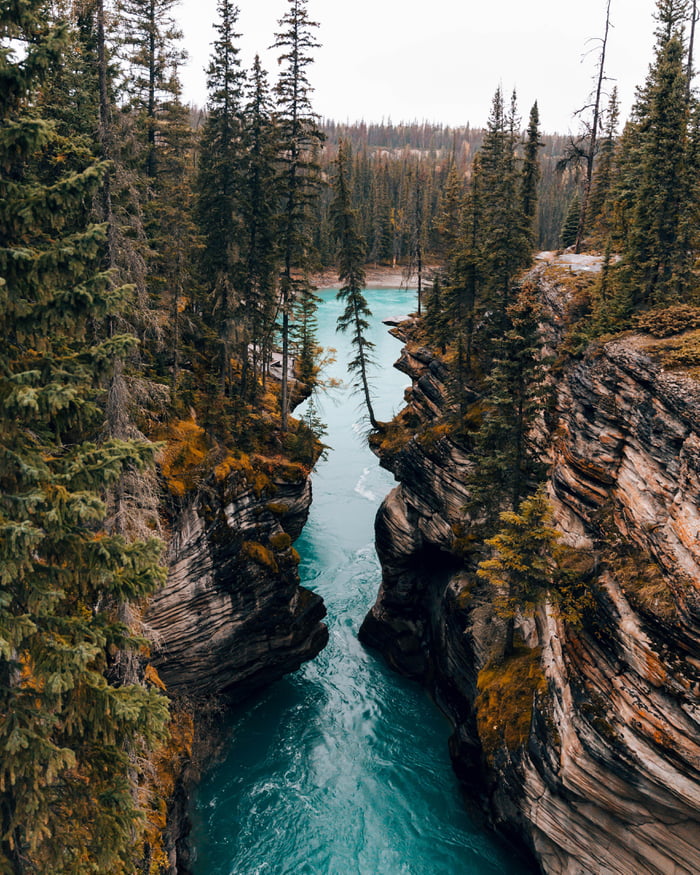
232, 616
607, 777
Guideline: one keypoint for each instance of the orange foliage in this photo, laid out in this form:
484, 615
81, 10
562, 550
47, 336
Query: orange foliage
159, 788
260, 554
185, 451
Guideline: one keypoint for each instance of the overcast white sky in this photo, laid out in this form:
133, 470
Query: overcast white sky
441, 60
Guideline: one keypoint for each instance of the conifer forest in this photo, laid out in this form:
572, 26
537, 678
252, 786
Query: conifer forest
159, 273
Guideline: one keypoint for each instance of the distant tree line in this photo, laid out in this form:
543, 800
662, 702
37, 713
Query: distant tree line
399, 171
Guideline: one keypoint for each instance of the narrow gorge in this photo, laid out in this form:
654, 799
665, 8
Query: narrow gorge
341, 767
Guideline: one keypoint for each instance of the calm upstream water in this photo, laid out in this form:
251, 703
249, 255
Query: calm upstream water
342, 768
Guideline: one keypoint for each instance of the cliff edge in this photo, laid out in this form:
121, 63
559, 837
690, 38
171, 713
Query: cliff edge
586, 741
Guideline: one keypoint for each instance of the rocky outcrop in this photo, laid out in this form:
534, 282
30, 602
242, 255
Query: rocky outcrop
232, 616
606, 775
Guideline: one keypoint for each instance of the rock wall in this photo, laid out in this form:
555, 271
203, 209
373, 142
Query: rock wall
607, 776
232, 616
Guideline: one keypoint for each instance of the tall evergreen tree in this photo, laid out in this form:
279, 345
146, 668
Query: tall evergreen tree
172, 229
528, 561
220, 185
603, 178
149, 37
300, 138
416, 228
506, 243
351, 273
654, 265
259, 220
508, 463
67, 779
569, 230
590, 150
531, 168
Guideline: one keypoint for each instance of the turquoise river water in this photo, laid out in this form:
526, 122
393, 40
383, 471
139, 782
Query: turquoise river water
342, 768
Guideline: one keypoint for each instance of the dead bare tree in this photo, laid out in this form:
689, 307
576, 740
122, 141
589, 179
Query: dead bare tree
691, 47
584, 149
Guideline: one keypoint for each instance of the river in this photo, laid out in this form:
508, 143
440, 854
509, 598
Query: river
342, 768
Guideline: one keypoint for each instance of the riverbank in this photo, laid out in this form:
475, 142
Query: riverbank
378, 276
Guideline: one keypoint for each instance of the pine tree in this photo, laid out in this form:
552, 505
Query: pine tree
259, 220
569, 230
68, 737
506, 244
172, 230
465, 281
653, 269
531, 169
351, 273
437, 324
219, 188
590, 150
508, 462
300, 139
603, 178
416, 230
150, 38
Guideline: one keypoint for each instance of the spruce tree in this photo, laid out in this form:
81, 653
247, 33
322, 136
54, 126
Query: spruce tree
603, 177
149, 39
653, 268
259, 220
69, 739
527, 560
300, 138
172, 230
531, 168
219, 187
351, 273
506, 243
507, 459
569, 230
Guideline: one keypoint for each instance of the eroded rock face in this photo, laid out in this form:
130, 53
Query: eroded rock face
608, 778
232, 616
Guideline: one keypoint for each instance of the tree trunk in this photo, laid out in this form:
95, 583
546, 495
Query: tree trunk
590, 157
691, 48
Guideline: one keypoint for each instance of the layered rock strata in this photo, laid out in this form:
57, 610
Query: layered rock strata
232, 616
606, 778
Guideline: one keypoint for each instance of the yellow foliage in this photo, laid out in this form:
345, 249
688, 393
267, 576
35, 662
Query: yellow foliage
260, 554
239, 462
280, 468
185, 451
278, 508
505, 699
260, 483
393, 439
159, 788
435, 433
679, 352
280, 541
152, 677
27, 675
474, 415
